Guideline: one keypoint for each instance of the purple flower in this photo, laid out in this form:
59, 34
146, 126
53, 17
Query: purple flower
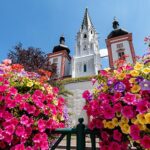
1, 71
139, 79
119, 87
145, 85
109, 82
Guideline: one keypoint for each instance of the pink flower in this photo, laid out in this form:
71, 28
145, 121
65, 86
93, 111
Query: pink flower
114, 146
41, 125
145, 142
55, 90
127, 111
11, 103
99, 124
91, 125
29, 148
134, 132
20, 130
3, 88
8, 138
109, 112
7, 62
118, 107
10, 129
117, 135
7, 115
142, 106
29, 108
41, 141
129, 98
19, 147
13, 91
105, 136
93, 81
24, 120
28, 131
86, 94
1, 134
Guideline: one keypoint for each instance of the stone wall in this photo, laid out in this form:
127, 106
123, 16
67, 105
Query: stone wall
76, 102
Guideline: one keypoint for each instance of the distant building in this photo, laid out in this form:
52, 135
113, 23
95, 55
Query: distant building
87, 58
61, 58
119, 43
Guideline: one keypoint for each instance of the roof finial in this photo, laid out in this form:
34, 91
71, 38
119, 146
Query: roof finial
115, 23
62, 39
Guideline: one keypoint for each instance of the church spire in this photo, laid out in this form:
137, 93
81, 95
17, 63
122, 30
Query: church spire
87, 23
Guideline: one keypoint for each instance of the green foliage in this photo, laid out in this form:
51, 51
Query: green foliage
79, 79
60, 85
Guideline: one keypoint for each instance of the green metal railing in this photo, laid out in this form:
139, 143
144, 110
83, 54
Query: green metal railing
80, 131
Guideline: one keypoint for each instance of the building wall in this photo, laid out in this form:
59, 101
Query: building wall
79, 66
127, 51
76, 102
58, 63
67, 67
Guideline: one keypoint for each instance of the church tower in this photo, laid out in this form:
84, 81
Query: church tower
119, 44
86, 60
61, 59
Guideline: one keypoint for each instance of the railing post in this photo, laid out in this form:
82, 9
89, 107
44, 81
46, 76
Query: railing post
68, 141
93, 140
81, 135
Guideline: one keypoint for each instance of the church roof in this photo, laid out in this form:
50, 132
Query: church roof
117, 31
61, 46
87, 20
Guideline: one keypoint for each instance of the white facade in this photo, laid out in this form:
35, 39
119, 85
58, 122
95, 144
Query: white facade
57, 59
86, 60
124, 47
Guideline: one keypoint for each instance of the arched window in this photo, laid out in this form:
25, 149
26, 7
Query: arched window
85, 36
91, 32
84, 68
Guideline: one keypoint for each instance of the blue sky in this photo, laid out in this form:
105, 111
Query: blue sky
39, 23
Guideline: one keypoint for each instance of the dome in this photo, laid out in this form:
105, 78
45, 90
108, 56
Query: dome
117, 31
61, 46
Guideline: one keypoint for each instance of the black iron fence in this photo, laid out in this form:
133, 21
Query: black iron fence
80, 131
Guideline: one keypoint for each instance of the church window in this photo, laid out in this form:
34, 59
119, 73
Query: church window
121, 54
84, 68
85, 48
120, 45
55, 60
91, 32
85, 36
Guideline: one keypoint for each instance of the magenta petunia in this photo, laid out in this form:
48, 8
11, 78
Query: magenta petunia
109, 112
10, 129
114, 146
41, 125
117, 135
135, 132
142, 106
24, 120
20, 130
129, 98
145, 141
128, 112
86, 94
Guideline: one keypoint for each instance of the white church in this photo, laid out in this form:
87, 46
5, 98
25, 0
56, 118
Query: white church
87, 58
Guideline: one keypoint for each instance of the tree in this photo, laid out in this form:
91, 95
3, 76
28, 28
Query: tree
31, 58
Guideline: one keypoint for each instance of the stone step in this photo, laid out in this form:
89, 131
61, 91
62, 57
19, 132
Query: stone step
62, 145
